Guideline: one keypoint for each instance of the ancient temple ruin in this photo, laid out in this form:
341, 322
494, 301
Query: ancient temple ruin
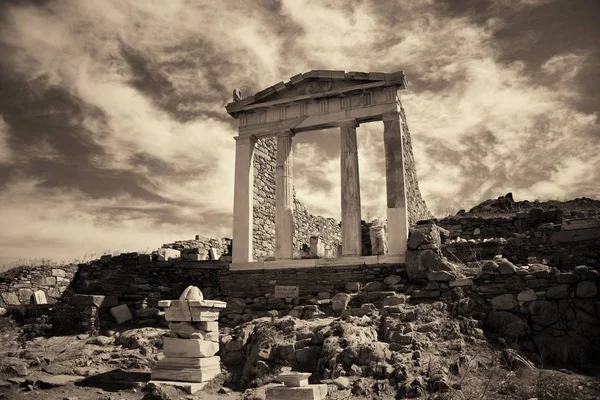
318, 100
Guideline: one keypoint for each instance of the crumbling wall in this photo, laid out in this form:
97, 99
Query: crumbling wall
534, 307
18, 285
305, 224
201, 246
416, 207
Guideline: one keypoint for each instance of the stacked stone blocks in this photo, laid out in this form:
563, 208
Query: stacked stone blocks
190, 351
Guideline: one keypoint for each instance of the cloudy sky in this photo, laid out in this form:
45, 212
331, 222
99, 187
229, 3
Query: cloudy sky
113, 134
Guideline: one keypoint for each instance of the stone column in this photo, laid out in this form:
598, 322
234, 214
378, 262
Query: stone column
284, 197
351, 240
243, 199
396, 194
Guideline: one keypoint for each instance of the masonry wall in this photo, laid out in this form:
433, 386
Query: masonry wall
144, 284
535, 307
535, 233
305, 224
18, 285
417, 209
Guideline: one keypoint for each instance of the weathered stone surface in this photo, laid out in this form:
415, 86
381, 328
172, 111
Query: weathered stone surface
294, 379
58, 272
558, 291
311, 392
515, 284
394, 300
527, 295
11, 298
542, 312
39, 297
168, 254
353, 286
374, 286
185, 374
507, 324
505, 267
340, 301
121, 313
505, 302
441, 276
175, 347
586, 289
420, 263
392, 280
462, 282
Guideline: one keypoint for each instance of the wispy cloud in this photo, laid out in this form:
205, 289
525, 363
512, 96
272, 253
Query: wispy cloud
116, 109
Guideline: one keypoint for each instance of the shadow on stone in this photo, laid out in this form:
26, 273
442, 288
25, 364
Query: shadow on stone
116, 380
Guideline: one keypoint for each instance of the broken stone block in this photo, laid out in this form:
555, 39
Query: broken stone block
121, 313
185, 374
168, 254
175, 347
294, 379
340, 301
214, 254
58, 272
94, 300
39, 297
310, 392
10, 298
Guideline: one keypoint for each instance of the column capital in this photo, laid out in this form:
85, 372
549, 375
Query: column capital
392, 116
245, 139
348, 123
286, 132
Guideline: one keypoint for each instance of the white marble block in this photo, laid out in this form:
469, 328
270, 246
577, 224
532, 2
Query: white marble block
175, 347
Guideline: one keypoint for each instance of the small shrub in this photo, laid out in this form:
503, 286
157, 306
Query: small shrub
40, 327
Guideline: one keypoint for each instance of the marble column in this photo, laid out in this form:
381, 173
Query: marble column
397, 216
243, 199
351, 238
284, 197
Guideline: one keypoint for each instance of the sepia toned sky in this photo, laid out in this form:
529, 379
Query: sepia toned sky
113, 133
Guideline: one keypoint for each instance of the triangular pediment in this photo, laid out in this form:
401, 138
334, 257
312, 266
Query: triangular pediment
315, 84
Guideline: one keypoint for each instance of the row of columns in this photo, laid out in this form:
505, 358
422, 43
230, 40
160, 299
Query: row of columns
350, 193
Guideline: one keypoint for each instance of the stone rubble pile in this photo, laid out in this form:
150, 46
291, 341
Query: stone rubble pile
194, 341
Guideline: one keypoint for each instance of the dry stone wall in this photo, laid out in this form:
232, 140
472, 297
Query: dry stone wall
535, 307
200, 248
417, 209
18, 285
305, 224
529, 234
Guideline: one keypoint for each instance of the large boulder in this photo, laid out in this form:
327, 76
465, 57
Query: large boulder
426, 235
420, 263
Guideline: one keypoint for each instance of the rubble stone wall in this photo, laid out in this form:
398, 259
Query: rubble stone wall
542, 309
18, 285
144, 284
305, 224
473, 226
564, 256
201, 246
417, 209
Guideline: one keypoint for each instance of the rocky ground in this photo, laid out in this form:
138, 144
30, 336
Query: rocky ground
386, 352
